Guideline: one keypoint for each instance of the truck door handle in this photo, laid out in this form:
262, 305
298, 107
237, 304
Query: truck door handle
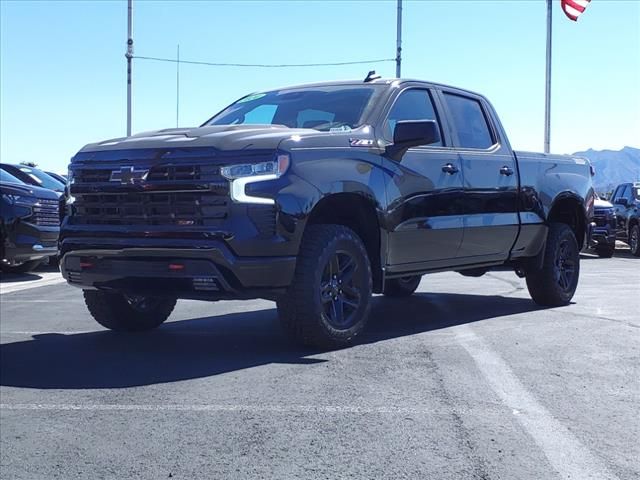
449, 168
506, 171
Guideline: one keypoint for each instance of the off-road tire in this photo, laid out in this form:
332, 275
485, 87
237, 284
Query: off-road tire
605, 251
22, 268
401, 287
551, 285
303, 309
634, 240
115, 312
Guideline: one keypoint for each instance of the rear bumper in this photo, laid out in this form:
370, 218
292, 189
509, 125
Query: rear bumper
201, 273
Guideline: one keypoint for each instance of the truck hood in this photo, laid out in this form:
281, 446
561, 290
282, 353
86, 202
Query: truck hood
27, 190
221, 137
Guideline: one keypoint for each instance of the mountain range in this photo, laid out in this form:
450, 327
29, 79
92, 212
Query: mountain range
613, 167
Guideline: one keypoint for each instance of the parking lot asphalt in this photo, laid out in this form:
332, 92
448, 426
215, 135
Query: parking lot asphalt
467, 379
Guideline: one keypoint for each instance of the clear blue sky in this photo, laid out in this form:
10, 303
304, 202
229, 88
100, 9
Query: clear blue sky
63, 67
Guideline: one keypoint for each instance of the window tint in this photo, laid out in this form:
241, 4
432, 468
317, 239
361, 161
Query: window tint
261, 115
411, 105
618, 193
469, 121
322, 108
7, 177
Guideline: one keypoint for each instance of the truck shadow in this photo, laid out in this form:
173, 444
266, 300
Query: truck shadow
209, 346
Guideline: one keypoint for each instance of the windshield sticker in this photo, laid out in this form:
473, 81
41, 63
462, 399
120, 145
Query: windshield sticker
343, 128
249, 98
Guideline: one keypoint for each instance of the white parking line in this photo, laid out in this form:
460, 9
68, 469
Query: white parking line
47, 279
564, 451
313, 409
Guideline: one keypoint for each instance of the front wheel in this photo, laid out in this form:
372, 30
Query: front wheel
128, 313
606, 251
634, 240
21, 268
401, 287
328, 302
555, 283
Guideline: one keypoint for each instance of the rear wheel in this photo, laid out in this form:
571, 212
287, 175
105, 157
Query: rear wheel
328, 302
605, 251
22, 268
401, 287
555, 283
128, 313
634, 240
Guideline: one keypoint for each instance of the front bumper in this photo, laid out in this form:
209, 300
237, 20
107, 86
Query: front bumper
601, 235
24, 242
212, 273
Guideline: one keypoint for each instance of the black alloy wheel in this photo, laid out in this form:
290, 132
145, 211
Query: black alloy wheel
565, 271
328, 302
555, 282
339, 290
634, 240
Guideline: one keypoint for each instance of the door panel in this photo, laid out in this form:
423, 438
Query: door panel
490, 205
491, 222
425, 207
424, 192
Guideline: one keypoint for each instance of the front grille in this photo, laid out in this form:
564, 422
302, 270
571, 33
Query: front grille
600, 218
180, 208
161, 173
46, 213
190, 194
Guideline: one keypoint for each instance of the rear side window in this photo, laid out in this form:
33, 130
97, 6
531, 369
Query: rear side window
469, 121
414, 104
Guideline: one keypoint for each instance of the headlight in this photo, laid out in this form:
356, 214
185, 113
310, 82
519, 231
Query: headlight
275, 167
243, 174
19, 200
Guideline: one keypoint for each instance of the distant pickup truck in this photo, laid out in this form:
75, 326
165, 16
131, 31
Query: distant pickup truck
317, 196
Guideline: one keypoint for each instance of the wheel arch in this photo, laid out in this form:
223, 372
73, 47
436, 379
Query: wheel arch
357, 212
568, 208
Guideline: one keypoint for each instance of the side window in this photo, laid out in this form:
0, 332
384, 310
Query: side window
469, 121
414, 104
628, 193
617, 194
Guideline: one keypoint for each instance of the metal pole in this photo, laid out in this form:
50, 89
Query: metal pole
129, 56
399, 41
178, 87
547, 102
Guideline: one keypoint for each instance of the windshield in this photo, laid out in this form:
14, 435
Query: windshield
333, 108
7, 177
42, 179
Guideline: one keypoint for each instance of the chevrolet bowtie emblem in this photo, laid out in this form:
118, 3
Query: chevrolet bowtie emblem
128, 175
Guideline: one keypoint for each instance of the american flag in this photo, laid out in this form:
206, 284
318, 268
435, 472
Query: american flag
573, 8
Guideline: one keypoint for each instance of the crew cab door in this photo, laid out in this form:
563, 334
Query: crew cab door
625, 192
425, 191
619, 209
491, 221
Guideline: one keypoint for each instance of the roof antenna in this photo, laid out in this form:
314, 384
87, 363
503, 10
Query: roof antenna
371, 76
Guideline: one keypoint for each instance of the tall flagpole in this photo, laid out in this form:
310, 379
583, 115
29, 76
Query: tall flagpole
399, 40
129, 56
178, 86
547, 100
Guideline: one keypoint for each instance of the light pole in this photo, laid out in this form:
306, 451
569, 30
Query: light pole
129, 56
399, 41
547, 98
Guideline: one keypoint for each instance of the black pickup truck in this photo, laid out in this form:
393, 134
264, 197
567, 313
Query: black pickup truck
317, 196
